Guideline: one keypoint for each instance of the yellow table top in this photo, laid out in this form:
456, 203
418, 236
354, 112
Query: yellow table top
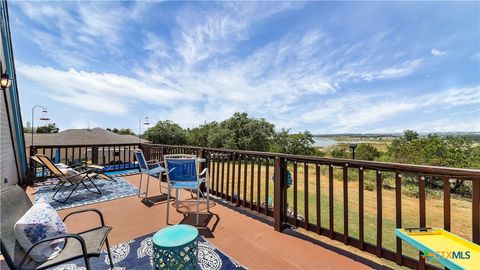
450, 246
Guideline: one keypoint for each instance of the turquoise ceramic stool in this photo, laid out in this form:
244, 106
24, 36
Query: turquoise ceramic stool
175, 247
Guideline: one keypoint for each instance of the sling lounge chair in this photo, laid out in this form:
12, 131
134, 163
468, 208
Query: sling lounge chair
68, 178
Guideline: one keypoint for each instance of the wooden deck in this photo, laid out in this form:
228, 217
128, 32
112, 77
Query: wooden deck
250, 240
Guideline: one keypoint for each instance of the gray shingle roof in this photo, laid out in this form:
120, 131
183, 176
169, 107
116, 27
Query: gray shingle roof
80, 136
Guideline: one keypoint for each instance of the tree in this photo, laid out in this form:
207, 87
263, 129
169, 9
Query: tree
50, 128
199, 135
366, 151
166, 132
296, 144
123, 131
339, 153
410, 135
434, 150
243, 133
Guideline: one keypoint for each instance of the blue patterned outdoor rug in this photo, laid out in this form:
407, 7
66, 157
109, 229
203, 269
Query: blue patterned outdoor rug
111, 190
137, 254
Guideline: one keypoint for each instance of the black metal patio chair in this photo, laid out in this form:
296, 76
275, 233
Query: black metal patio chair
76, 179
15, 203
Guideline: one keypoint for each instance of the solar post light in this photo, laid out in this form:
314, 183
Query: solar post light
353, 146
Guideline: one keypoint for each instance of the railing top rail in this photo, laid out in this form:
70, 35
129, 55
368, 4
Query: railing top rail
372, 165
81, 145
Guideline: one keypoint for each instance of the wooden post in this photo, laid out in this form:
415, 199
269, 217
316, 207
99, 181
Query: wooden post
476, 211
361, 225
330, 200
379, 215
446, 204
279, 186
398, 215
345, 204
95, 154
423, 216
32, 173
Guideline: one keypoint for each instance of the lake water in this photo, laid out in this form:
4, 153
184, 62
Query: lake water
324, 142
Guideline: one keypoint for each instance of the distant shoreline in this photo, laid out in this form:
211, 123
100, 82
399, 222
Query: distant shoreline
393, 135
329, 140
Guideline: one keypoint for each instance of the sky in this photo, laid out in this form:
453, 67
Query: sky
327, 67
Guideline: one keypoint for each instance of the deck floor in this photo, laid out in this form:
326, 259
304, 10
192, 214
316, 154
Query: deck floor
249, 240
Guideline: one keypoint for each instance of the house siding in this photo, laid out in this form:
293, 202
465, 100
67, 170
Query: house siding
12, 156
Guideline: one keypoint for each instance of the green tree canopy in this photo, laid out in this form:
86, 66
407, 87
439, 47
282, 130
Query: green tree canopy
243, 133
199, 135
122, 131
410, 135
449, 151
166, 132
50, 128
366, 151
435, 150
339, 152
296, 144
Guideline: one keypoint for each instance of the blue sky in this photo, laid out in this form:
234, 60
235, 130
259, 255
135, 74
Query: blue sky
329, 67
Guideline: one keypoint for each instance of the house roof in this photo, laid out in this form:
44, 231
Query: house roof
80, 137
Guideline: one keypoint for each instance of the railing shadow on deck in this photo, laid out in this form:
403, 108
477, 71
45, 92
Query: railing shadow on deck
269, 221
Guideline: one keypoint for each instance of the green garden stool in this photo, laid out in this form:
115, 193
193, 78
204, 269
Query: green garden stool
175, 247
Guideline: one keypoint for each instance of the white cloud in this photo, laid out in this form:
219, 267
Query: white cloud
194, 73
437, 52
351, 112
363, 71
447, 124
100, 92
75, 33
81, 124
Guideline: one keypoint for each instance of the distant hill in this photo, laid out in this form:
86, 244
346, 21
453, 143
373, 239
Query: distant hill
470, 134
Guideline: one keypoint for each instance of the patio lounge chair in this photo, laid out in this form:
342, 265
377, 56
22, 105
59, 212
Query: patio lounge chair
15, 203
71, 178
182, 174
150, 168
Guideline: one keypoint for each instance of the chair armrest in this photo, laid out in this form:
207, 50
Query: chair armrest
74, 166
64, 236
203, 172
80, 174
154, 161
87, 210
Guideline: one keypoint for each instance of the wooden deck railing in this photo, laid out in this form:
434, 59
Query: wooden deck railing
259, 181
105, 154
271, 184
